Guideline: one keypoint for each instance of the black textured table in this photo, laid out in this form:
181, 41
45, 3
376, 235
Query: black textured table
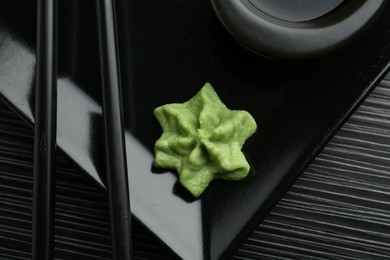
338, 209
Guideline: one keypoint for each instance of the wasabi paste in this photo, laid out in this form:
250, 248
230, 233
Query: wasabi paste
202, 140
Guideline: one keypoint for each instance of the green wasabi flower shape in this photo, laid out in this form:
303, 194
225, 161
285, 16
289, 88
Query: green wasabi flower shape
202, 140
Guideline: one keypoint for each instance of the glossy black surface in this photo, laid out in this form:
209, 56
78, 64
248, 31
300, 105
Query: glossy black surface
168, 51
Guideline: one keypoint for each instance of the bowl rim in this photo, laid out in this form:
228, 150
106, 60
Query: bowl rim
275, 38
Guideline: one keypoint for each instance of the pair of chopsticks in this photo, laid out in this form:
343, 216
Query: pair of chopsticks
45, 132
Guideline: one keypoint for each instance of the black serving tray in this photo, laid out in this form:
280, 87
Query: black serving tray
168, 50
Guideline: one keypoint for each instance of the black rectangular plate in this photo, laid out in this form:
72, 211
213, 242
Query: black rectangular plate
169, 49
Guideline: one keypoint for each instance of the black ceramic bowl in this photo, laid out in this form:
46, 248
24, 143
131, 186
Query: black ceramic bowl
296, 29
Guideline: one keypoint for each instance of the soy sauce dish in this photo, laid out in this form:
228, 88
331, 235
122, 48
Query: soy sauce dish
296, 29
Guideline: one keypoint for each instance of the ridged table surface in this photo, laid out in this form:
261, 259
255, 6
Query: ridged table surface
338, 209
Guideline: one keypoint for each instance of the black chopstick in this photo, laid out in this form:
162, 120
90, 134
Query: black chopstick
45, 131
118, 193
